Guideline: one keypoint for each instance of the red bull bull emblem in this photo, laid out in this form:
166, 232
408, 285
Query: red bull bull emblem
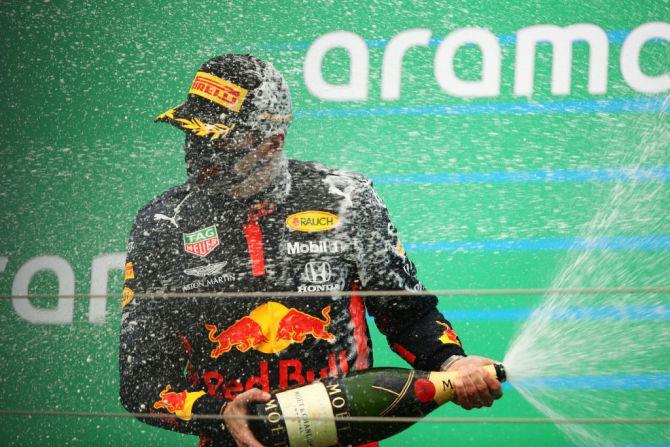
270, 328
448, 335
129, 272
126, 297
179, 404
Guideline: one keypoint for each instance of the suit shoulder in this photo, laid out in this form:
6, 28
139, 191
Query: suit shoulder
165, 200
343, 178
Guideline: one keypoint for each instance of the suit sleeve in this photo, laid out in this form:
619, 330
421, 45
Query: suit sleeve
413, 326
153, 356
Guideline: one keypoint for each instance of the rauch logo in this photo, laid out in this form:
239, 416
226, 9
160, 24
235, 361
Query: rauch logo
312, 221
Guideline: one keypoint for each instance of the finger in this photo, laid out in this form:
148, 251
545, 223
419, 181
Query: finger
246, 438
255, 395
461, 393
476, 360
495, 387
470, 389
239, 430
483, 394
477, 389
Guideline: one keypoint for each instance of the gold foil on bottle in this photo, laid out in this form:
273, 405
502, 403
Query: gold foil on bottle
444, 386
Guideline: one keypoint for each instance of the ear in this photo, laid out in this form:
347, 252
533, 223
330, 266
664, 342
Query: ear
276, 141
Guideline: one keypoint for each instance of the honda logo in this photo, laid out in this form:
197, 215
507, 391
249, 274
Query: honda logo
317, 272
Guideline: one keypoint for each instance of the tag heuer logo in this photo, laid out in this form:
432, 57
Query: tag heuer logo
201, 242
206, 270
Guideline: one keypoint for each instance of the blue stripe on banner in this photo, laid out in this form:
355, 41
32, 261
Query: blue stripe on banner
563, 314
636, 382
616, 105
615, 37
656, 242
554, 175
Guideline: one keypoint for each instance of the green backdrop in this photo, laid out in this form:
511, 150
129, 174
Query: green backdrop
487, 192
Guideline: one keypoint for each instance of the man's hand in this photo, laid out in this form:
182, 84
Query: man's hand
238, 428
475, 388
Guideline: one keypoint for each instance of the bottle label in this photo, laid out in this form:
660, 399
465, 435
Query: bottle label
310, 401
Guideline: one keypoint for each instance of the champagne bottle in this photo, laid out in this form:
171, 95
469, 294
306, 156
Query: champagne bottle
384, 392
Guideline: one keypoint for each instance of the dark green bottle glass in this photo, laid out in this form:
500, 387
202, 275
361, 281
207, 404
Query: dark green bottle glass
387, 392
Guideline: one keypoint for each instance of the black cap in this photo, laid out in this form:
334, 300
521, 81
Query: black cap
501, 374
234, 93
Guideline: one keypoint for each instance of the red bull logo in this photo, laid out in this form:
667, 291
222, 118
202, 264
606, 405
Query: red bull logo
170, 400
285, 373
129, 272
448, 335
126, 297
270, 328
178, 403
244, 334
296, 325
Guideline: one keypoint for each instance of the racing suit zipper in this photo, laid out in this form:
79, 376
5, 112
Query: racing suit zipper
254, 236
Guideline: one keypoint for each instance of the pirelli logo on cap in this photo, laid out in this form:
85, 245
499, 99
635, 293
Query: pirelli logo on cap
312, 221
220, 91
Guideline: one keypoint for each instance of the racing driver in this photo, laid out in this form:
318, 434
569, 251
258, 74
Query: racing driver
249, 220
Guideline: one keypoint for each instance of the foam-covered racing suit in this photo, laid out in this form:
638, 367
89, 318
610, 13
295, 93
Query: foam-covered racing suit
314, 229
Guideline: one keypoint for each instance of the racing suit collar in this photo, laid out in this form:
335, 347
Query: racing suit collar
276, 192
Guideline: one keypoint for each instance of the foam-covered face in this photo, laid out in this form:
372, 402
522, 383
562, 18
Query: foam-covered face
238, 166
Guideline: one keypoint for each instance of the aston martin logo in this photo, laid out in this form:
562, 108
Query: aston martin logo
206, 270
